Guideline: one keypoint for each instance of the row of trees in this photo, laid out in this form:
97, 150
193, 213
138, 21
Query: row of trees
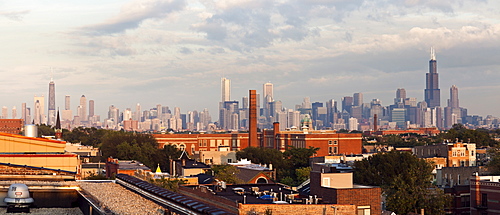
481, 137
292, 166
404, 179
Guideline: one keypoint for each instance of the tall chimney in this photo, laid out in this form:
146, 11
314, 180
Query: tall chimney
375, 120
276, 130
252, 133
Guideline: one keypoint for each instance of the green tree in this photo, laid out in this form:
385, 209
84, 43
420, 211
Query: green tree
227, 173
133, 146
45, 130
262, 156
299, 157
404, 179
494, 163
171, 184
303, 174
480, 136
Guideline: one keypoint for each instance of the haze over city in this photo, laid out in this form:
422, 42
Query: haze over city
175, 52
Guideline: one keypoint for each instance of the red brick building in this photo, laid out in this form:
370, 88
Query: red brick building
328, 142
11, 126
484, 195
115, 166
337, 188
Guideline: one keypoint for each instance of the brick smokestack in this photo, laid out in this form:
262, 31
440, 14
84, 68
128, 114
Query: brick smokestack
252, 133
375, 120
276, 130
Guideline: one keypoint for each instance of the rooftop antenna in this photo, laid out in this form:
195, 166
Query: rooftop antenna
433, 54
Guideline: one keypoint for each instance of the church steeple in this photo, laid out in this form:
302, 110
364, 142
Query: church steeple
58, 127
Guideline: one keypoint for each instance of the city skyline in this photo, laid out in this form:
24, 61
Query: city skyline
322, 51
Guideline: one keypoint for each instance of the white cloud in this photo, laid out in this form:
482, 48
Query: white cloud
133, 14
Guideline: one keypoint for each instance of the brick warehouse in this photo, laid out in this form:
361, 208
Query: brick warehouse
329, 142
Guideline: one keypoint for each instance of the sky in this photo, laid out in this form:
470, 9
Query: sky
175, 52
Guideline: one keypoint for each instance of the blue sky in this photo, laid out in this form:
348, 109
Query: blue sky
174, 52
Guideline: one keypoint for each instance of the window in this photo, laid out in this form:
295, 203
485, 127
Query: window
330, 142
335, 150
484, 200
326, 182
330, 150
335, 142
182, 147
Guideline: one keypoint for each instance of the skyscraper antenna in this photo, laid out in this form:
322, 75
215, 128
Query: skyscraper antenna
51, 74
433, 54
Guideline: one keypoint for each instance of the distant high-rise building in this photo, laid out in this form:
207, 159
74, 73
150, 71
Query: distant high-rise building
14, 112
37, 118
91, 108
113, 113
244, 102
401, 93
127, 114
225, 89
177, 112
306, 104
24, 113
331, 111
357, 99
267, 95
67, 102
353, 124
453, 101
432, 92
347, 103
39, 114
138, 113
83, 111
452, 113
267, 92
5, 112
52, 103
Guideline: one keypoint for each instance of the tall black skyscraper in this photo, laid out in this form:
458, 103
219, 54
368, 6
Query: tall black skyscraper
432, 92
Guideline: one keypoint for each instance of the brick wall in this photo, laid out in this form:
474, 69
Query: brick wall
205, 196
359, 196
299, 209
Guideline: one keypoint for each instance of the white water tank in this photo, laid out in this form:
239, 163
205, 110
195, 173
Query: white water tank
30, 130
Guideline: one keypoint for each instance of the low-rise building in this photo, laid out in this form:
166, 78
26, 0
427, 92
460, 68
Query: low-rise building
20, 155
329, 142
456, 154
129, 167
334, 185
11, 126
485, 195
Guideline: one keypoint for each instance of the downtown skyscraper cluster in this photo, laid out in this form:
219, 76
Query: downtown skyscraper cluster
349, 112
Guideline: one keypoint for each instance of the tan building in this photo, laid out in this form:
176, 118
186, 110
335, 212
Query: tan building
37, 153
215, 157
456, 154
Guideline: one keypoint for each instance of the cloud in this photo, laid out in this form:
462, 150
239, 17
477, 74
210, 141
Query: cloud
14, 15
252, 24
185, 50
135, 13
